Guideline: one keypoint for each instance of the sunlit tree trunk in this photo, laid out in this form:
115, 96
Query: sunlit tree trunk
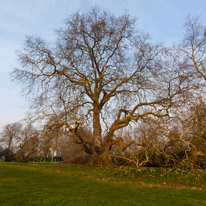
97, 131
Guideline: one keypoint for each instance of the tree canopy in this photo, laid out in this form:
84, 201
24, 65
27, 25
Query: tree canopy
104, 74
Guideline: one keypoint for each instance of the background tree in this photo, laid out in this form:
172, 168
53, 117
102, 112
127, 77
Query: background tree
19, 140
27, 143
9, 135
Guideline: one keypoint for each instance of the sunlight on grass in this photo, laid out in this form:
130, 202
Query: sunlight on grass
64, 184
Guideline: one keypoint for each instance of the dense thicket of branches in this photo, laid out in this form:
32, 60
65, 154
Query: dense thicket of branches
104, 86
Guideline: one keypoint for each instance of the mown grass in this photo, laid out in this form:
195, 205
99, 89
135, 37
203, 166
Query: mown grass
65, 184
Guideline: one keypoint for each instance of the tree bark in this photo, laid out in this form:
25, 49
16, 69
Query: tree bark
97, 130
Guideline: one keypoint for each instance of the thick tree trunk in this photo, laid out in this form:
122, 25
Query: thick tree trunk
97, 130
106, 156
101, 155
101, 159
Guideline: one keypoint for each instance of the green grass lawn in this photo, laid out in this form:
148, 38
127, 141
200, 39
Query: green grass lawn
66, 184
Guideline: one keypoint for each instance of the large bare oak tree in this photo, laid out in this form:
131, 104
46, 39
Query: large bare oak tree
101, 73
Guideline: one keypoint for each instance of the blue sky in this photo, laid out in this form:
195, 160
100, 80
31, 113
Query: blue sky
163, 19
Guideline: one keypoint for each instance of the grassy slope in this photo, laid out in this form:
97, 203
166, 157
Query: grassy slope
61, 184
